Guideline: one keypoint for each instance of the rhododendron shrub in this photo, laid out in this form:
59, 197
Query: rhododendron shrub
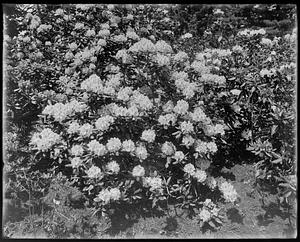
134, 113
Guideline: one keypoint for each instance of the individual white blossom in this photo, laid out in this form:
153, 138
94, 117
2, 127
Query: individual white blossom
113, 167
108, 195
200, 175
163, 47
77, 150
113, 144
141, 152
155, 183
205, 215
73, 128
45, 140
181, 107
186, 127
188, 140
179, 156
168, 119
124, 94
102, 124
144, 45
94, 172
138, 171
148, 135
212, 147
161, 60
168, 106
76, 162
186, 36
97, 148
228, 191
181, 56
120, 38
90, 33
86, 130
103, 33
132, 35
201, 147
189, 169
128, 146
168, 148
211, 182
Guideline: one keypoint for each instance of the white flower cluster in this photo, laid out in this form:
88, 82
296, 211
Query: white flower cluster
34, 22
148, 135
124, 56
211, 130
179, 156
44, 140
113, 145
213, 79
161, 60
77, 150
90, 32
113, 167
141, 101
155, 183
237, 49
188, 141
198, 174
120, 38
60, 111
103, 123
128, 146
179, 75
200, 67
124, 94
186, 127
188, 89
138, 171
189, 169
167, 119
198, 115
208, 211
73, 128
181, 107
268, 73
186, 36
108, 195
76, 162
132, 35
250, 33
94, 172
98, 149
205, 147
163, 47
267, 42
181, 56
93, 84
144, 45
168, 148
141, 152
228, 191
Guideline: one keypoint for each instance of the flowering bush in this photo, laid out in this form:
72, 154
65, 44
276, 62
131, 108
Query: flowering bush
133, 116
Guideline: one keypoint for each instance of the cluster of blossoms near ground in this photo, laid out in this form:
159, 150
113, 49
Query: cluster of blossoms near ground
129, 117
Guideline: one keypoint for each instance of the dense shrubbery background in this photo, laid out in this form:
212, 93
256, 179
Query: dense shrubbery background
234, 65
